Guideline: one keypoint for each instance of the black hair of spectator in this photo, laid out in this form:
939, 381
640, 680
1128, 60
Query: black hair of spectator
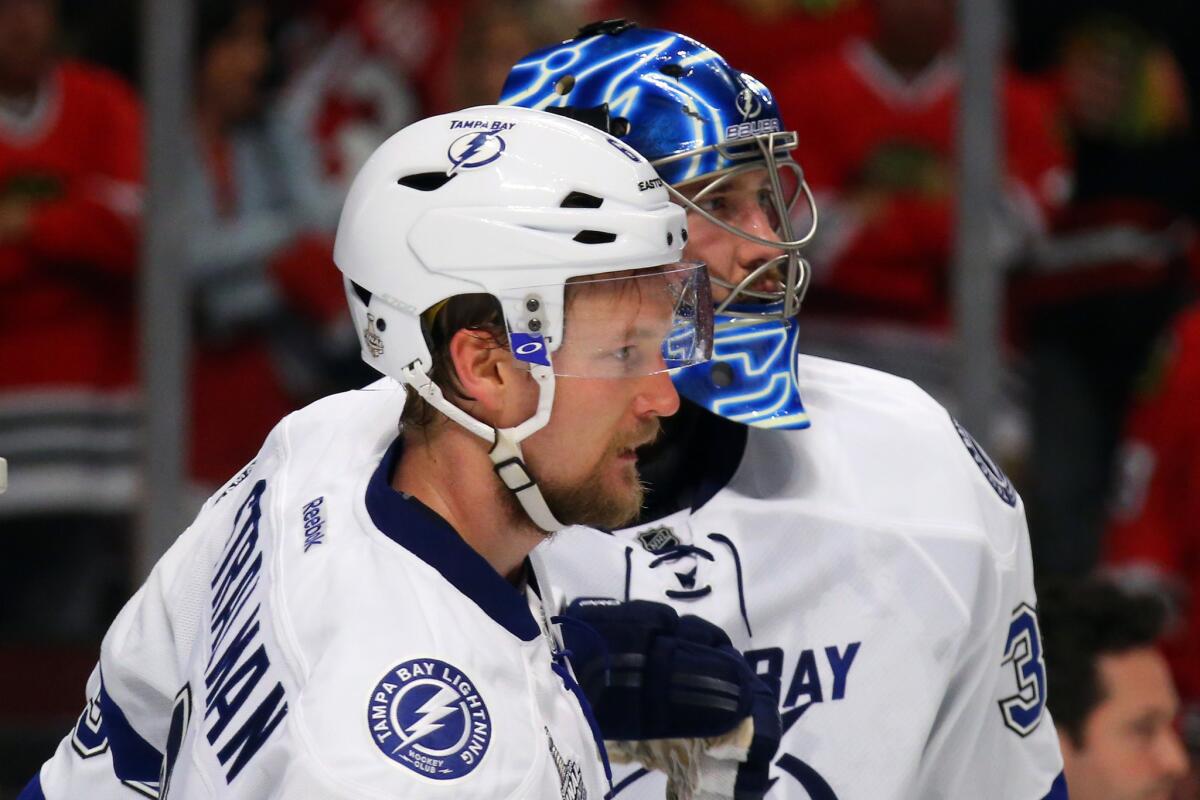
216, 18
1082, 620
110, 33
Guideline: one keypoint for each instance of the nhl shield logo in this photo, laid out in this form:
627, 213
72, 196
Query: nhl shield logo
428, 716
658, 538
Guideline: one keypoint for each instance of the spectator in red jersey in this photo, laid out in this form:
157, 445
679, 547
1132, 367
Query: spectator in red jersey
1154, 531
347, 89
263, 294
1114, 272
70, 197
359, 72
770, 39
877, 122
499, 34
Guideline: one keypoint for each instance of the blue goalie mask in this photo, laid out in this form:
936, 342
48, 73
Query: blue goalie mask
701, 124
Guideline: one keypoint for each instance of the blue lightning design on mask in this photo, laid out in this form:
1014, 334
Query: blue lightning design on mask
438, 707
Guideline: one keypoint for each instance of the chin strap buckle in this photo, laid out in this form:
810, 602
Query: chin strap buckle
509, 466
513, 474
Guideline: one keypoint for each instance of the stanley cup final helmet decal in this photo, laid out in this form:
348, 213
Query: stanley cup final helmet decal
700, 123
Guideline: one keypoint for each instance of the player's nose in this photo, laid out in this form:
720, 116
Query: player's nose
656, 396
1172, 756
750, 255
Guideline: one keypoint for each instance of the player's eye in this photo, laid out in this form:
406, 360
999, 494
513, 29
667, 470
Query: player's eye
628, 358
1143, 731
714, 205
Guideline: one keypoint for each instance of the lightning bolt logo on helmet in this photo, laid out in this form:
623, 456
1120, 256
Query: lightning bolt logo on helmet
428, 716
473, 150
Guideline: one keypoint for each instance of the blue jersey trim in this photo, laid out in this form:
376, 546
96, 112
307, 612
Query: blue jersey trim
415, 527
626, 782
133, 758
33, 789
1058, 791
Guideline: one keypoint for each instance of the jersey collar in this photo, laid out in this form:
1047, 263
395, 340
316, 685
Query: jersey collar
414, 526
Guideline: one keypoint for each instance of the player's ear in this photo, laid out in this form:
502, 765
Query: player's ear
500, 390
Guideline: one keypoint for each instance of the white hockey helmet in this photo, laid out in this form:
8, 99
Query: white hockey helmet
513, 203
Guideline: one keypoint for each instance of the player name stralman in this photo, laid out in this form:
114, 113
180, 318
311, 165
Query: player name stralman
238, 664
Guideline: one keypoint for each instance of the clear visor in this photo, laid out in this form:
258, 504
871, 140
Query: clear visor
620, 325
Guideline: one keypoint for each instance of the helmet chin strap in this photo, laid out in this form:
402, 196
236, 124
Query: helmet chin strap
507, 459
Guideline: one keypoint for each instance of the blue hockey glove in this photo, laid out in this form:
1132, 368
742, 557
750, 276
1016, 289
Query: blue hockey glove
651, 675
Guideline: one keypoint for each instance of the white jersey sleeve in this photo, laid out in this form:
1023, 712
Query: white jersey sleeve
315, 634
994, 736
117, 747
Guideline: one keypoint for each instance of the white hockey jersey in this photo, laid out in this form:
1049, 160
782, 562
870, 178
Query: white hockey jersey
875, 567
315, 634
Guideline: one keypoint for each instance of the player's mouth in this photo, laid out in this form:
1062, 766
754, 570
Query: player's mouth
767, 284
630, 452
627, 452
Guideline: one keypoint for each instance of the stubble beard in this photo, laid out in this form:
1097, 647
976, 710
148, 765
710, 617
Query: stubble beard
594, 501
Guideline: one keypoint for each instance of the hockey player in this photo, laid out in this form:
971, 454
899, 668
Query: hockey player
857, 544
357, 615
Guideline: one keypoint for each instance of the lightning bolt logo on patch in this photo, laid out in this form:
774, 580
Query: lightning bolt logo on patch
428, 716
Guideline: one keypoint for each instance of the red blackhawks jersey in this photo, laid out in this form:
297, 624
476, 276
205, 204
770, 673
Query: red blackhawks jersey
770, 42
879, 151
67, 291
1156, 524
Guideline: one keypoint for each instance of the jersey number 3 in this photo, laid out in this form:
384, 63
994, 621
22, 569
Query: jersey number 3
1023, 650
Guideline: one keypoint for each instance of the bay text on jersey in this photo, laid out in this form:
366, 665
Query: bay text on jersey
805, 688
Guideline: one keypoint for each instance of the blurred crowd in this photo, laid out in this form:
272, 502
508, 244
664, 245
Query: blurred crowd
1099, 422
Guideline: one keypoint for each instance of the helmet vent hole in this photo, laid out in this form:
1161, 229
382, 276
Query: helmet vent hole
581, 200
426, 181
565, 84
619, 127
595, 237
673, 71
362, 293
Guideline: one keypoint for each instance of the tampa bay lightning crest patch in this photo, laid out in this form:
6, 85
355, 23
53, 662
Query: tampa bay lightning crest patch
428, 716
995, 476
